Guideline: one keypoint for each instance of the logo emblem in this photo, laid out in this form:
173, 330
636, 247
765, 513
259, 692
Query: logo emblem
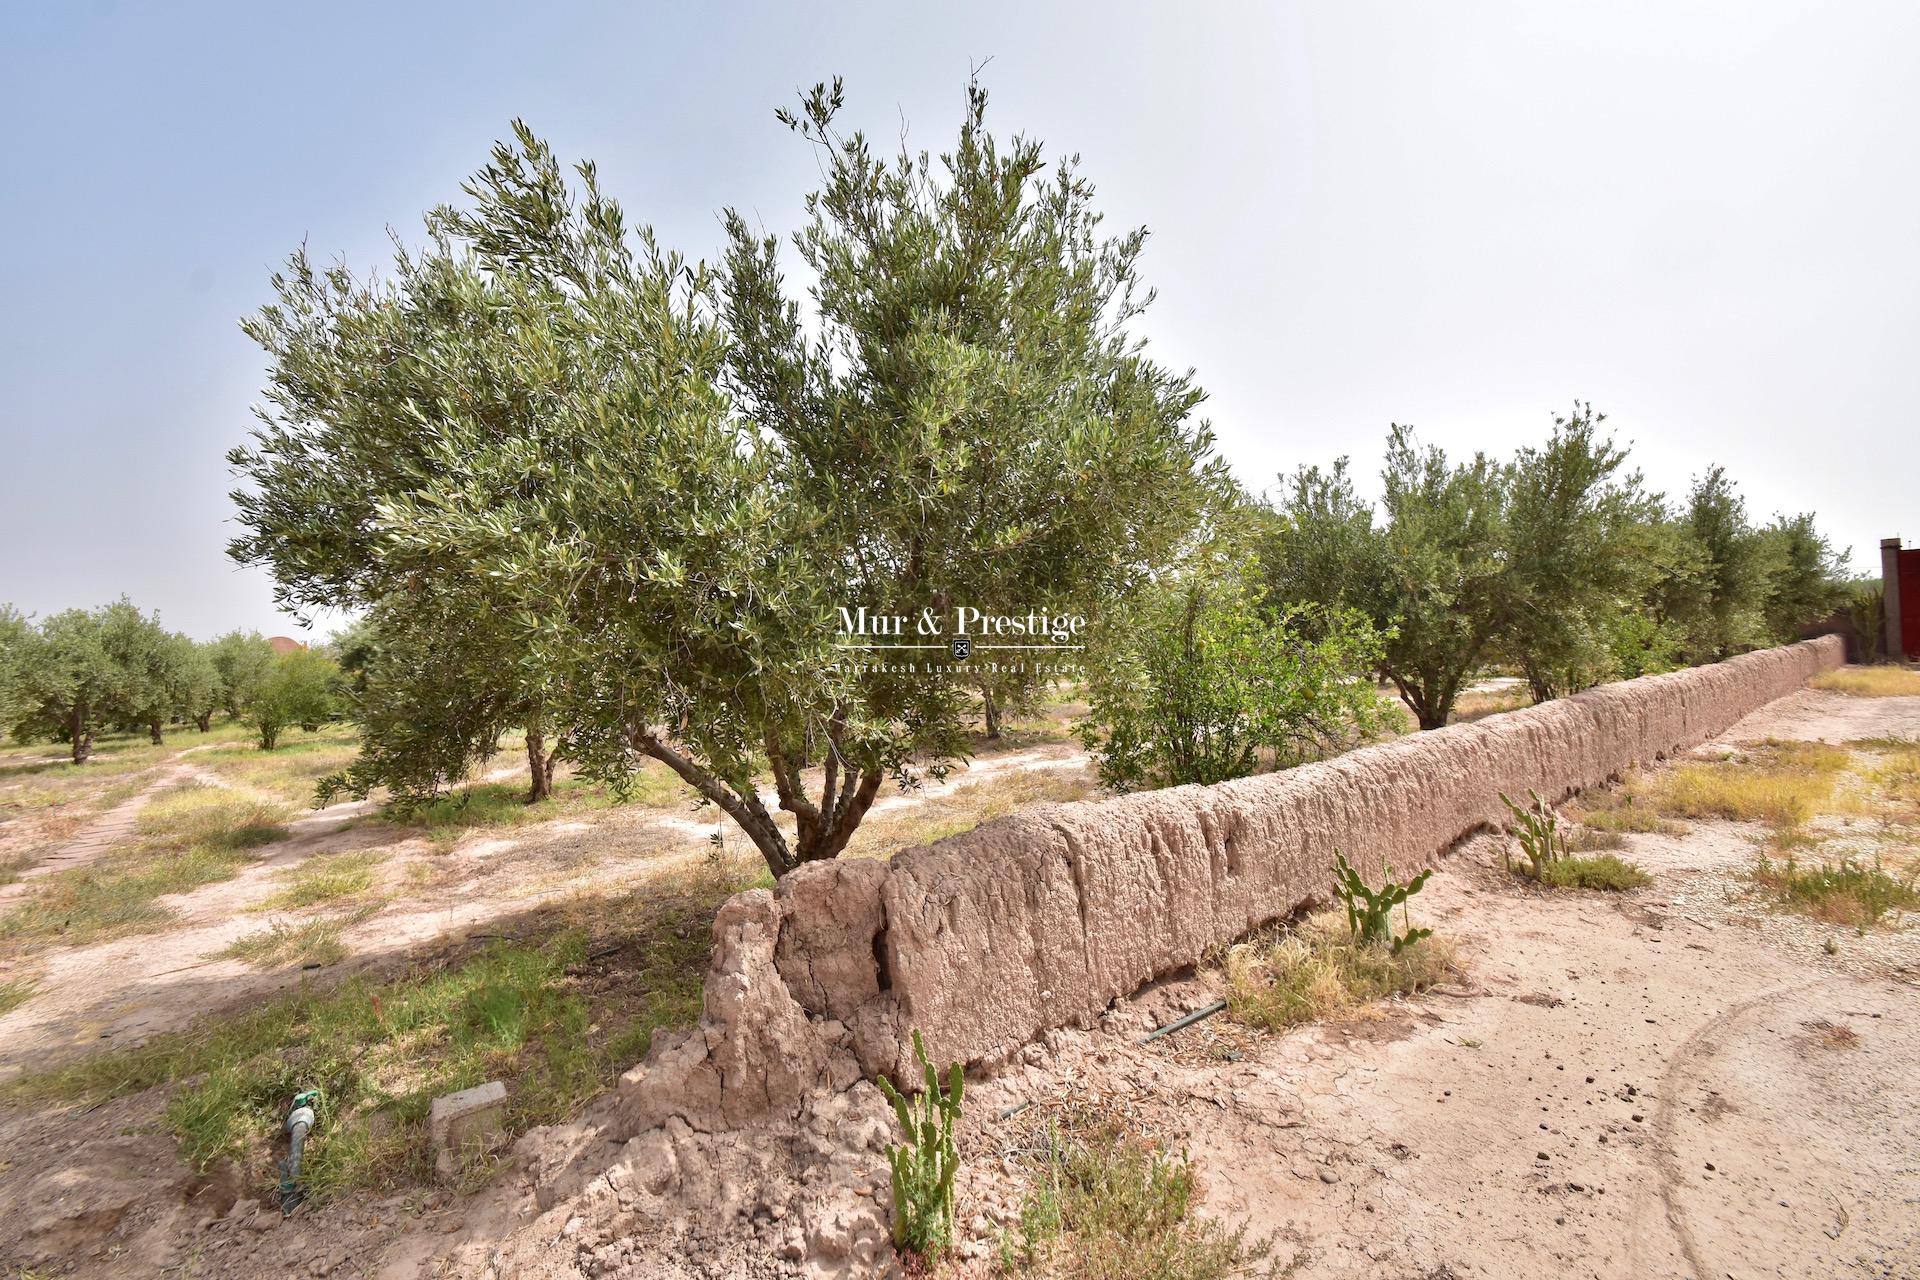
962, 648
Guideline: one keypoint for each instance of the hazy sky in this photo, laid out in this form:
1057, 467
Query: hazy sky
1704, 219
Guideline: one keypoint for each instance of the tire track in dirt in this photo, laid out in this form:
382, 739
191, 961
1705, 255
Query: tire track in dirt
1702, 1045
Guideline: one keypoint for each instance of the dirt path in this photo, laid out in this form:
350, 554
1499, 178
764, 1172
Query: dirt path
103, 833
122, 991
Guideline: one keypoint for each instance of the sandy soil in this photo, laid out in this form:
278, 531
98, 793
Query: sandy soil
125, 990
1672, 1082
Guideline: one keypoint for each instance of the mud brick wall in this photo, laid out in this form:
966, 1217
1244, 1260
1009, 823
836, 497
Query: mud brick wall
1040, 920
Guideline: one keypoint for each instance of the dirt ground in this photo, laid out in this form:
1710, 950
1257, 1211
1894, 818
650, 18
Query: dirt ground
124, 990
1676, 1081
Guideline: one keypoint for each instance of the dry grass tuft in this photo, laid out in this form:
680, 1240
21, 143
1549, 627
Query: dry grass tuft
966, 807
1616, 810
14, 993
1107, 1205
306, 943
1847, 892
1317, 971
1783, 784
1834, 1035
1871, 682
327, 878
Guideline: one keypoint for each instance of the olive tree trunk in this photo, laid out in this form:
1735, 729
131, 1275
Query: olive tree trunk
82, 736
540, 764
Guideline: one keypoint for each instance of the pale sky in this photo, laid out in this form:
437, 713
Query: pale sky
1703, 218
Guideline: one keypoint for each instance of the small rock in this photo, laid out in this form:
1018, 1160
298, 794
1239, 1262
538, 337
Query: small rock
1328, 1176
472, 1119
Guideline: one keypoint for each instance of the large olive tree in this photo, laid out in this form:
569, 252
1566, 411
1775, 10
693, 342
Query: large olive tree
652, 489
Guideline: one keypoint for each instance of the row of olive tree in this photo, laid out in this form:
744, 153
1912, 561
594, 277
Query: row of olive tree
1558, 562
83, 670
578, 484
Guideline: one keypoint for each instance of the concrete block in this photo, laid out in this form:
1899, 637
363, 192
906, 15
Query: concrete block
470, 1121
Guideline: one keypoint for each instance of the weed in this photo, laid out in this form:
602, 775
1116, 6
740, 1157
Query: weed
325, 879
1538, 831
1108, 1206
1847, 892
284, 943
1587, 840
14, 993
1593, 871
924, 1165
1370, 911
1871, 682
1319, 971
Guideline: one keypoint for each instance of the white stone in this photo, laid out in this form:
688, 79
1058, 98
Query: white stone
472, 1119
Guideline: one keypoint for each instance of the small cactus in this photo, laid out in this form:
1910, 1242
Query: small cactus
1538, 832
925, 1164
1370, 911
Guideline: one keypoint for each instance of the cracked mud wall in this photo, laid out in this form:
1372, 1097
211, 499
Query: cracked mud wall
985, 940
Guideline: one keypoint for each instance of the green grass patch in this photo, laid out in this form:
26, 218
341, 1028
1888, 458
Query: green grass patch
1109, 1206
14, 993
1318, 971
327, 878
292, 771
552, 1012
486, 806
189, 836
1847, 892
1593, 871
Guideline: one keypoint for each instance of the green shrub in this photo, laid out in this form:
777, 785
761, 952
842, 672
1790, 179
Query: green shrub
1204, 683
1593, 871
924, 1165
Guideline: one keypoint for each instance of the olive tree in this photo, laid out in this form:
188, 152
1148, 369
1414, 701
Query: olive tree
1572, 517
71, 680
662, 487
299, 688
1724, 613
240, 660
1804, 576
16, 639
1443, 565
